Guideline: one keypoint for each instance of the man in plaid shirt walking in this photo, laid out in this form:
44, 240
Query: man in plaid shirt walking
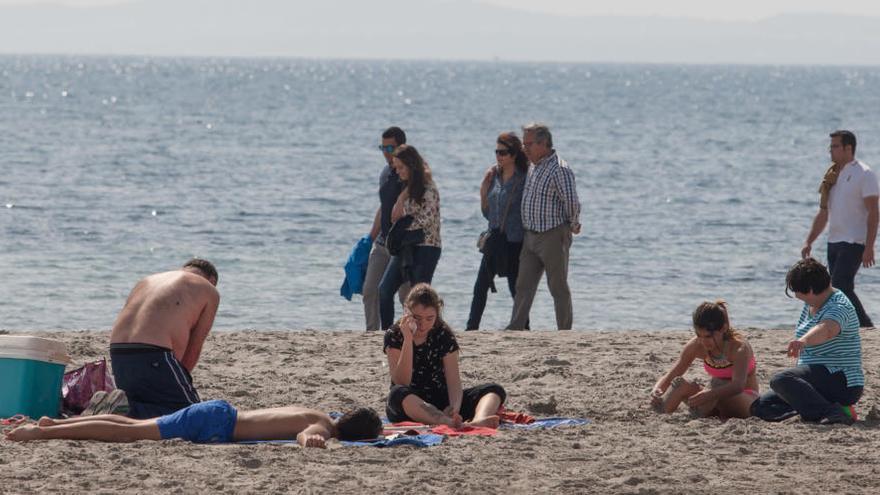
550, 215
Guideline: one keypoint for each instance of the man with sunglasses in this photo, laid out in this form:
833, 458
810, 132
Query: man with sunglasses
550, 215
390, 188
848, 205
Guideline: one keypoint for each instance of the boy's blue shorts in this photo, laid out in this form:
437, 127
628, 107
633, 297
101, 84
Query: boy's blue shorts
205, 422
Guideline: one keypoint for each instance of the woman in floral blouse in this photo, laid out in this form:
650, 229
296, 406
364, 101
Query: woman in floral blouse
423, 361
420, 201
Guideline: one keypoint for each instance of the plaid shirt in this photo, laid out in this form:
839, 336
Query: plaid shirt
550, 198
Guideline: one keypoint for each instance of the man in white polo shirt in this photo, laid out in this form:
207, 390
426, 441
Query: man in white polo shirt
848, 204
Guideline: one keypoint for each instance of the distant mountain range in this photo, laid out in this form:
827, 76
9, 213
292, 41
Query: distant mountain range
428, 29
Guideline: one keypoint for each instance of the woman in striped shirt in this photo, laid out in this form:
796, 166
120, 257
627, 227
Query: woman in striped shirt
828, 378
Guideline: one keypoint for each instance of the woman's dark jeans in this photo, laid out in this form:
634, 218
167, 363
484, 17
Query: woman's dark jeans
425, 260
505, 264
809, 390
481, 291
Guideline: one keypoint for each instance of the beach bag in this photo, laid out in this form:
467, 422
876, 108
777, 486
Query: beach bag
78, 385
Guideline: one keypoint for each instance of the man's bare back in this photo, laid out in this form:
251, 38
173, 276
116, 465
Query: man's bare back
173, 309
282, 422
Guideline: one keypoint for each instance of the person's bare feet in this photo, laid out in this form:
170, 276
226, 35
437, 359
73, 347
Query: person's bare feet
488, 422
454, 421
46, 421
24, 433
679, 390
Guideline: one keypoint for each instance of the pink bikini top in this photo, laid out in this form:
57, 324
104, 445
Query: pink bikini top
725, 372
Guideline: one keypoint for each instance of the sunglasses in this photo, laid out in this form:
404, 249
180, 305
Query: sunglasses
387, 148
502, 152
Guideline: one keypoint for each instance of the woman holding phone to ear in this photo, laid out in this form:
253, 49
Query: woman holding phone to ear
425, 381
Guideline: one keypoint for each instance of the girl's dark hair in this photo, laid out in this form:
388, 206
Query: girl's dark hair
425, 295
807, 275
416, 165
712, 317
511, 141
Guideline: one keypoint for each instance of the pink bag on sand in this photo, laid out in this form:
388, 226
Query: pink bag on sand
80, 384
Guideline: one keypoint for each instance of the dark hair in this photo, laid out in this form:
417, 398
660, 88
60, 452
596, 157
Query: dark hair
361, 424
542, 133
395, 133
712, 317
847, 138
204, 266
807, 275
425, 295
511, 141
416, 165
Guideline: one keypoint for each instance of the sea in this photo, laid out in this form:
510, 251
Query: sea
696, 182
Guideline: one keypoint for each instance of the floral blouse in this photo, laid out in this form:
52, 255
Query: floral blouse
426, 216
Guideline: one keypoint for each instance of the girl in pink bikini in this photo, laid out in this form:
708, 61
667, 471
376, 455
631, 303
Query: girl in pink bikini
727, 358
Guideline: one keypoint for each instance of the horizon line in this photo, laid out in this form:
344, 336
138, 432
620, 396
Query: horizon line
4, 54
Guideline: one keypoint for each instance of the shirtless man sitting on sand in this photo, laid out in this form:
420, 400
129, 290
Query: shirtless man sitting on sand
157, 338
214, 421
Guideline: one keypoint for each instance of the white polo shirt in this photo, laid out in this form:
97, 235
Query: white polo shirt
847, 215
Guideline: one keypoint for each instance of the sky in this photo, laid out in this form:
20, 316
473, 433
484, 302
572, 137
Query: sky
702, 9
640, 31
738, 10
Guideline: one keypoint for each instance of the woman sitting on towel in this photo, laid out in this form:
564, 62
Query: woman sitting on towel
423, 361
727, 358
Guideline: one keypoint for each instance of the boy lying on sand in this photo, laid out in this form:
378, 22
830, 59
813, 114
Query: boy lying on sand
213, 421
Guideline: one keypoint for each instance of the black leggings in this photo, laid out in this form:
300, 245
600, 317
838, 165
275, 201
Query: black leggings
470, 398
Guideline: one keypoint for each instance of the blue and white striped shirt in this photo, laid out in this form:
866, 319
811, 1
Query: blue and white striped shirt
550, 198
843, 352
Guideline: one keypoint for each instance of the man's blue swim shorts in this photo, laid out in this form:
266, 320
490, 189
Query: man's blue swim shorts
206, 422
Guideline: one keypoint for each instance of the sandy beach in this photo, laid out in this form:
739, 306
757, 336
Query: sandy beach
604, 376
